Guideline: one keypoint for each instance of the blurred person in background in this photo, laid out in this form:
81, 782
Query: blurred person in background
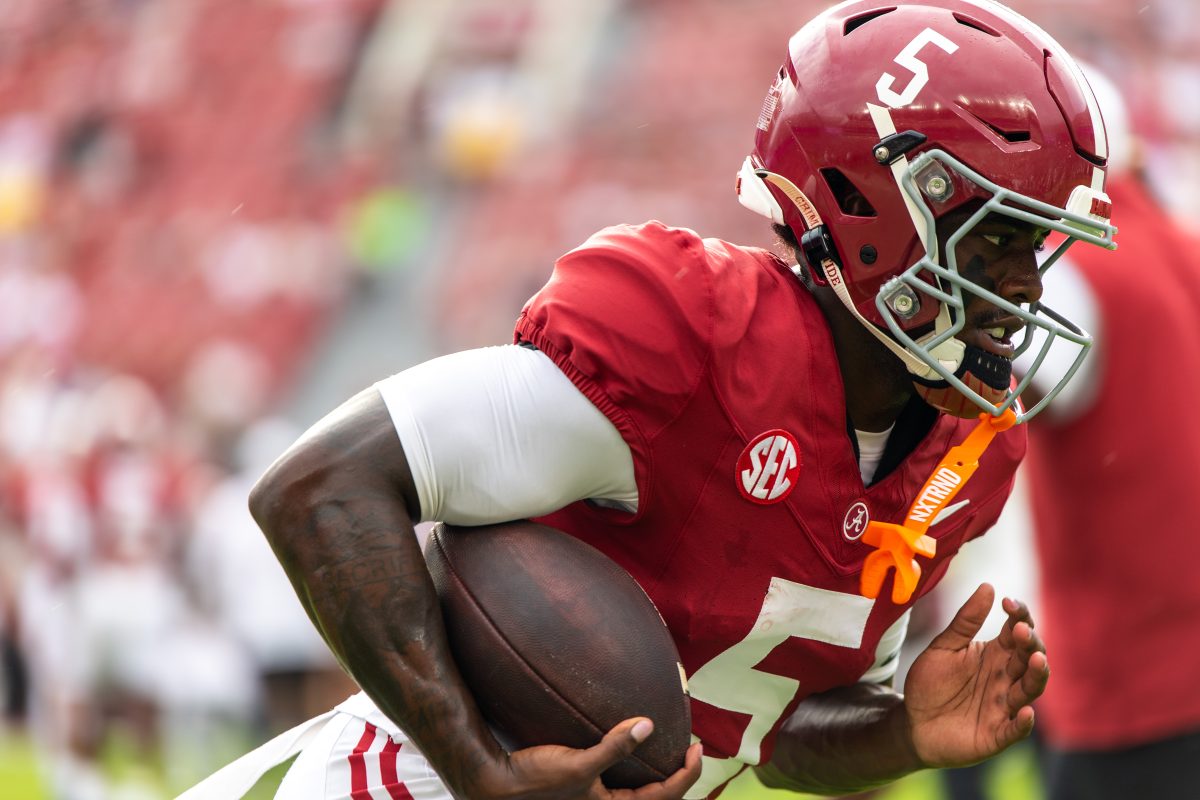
1109, 463
650, 344
1112, 471
238, 582
120, 198
14, 559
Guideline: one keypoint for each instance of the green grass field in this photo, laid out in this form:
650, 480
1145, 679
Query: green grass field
1013, 776
21, 775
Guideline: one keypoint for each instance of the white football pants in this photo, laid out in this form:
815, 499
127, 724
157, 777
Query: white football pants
353, 752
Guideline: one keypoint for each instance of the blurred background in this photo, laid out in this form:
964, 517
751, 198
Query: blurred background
219, 218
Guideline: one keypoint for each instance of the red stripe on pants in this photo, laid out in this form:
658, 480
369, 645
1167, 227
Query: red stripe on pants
358, 765
387, 770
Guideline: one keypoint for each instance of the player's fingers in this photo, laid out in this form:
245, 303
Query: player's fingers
1018, 608
967, 622
1031, 684
1017, 728
1017, 612
1034, 681
674, 787
1025, 642
619, 742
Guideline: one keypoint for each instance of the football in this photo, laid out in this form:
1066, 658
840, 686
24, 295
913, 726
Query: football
558, 643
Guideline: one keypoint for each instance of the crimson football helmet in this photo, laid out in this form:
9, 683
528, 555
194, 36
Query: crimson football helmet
888, 116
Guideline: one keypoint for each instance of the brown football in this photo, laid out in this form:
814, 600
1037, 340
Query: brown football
558, 643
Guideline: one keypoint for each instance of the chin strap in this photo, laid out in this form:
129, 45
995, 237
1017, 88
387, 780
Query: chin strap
949, 352
898, 545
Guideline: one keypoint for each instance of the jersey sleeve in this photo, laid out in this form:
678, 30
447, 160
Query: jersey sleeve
629, 318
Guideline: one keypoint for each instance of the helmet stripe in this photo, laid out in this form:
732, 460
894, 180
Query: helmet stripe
885, 126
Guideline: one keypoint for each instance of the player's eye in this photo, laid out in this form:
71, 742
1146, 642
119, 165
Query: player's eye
998, 239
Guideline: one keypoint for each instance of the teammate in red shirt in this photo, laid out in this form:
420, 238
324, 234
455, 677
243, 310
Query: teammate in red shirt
1110, 482
784, 456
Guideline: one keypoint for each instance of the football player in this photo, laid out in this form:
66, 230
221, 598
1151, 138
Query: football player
785, 456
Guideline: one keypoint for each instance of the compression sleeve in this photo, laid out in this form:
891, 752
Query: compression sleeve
500, 433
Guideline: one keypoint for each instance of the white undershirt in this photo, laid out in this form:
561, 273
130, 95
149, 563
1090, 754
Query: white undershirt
870, 451
464, 423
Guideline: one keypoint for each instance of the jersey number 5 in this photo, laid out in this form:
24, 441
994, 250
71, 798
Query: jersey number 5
908, 59
730, 681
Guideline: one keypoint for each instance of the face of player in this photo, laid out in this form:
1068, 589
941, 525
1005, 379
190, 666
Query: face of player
999, 255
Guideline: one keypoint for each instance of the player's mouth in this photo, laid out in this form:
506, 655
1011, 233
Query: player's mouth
995, 335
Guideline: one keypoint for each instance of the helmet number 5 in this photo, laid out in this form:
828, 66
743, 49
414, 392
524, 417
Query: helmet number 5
908, 59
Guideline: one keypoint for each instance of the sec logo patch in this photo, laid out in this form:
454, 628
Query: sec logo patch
768, 467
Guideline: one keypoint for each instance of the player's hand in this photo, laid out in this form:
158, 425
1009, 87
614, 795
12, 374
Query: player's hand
552, 772
968, 700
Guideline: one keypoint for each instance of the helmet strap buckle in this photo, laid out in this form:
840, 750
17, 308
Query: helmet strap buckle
817, 246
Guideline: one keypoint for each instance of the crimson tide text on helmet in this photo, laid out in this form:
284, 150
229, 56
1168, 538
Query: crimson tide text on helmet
887, 117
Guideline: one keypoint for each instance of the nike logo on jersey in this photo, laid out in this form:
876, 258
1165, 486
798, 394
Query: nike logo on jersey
946, 512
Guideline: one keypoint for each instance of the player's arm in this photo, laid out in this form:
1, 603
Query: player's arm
339, 508
964, 701
843, 741
816, 746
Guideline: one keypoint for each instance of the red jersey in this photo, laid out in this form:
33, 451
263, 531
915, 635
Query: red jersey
718, 368
1112, 493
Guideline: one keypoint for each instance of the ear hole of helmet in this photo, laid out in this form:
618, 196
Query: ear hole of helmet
849, 198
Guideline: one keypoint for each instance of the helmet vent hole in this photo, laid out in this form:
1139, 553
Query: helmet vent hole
963, 19
1008, 136
1014, 136
850, 200
854, 23
1097, 160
